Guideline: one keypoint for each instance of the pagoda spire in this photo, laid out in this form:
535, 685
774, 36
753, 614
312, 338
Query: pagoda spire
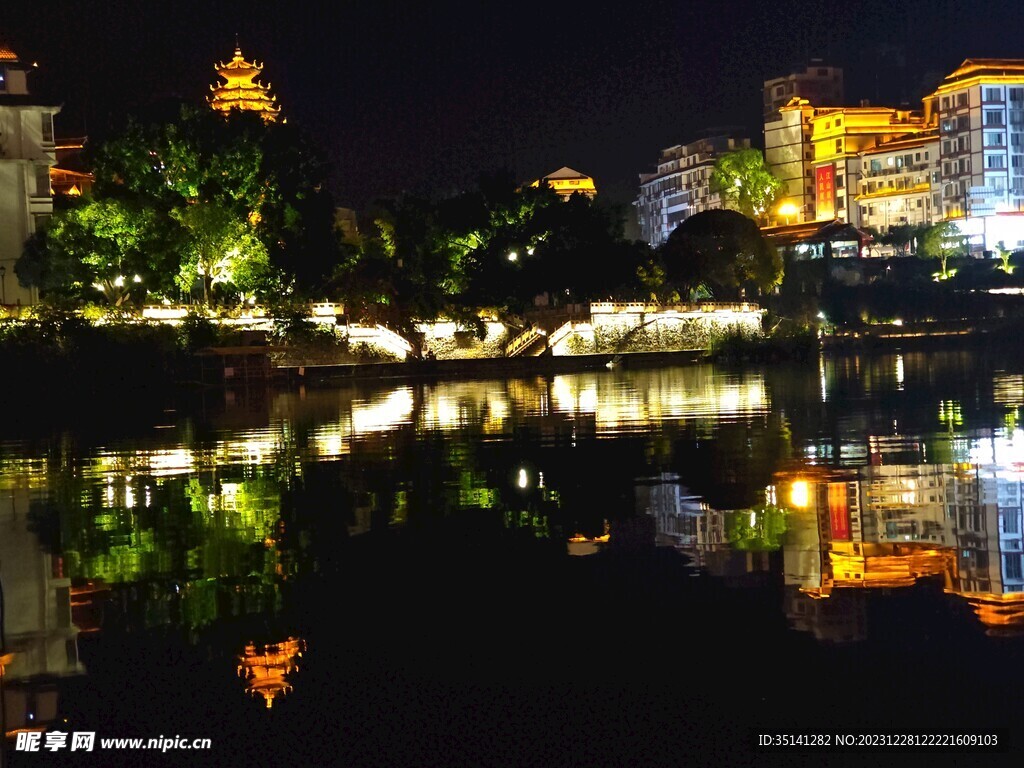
241, 90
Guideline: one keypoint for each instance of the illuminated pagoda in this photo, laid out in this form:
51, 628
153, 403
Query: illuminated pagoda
241, 89
266, 670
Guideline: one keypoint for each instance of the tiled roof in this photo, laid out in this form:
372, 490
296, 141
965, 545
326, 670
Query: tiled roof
6, 54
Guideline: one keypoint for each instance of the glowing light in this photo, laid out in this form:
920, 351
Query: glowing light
512, 255
799, 494
753, 518
523, 479
119, 281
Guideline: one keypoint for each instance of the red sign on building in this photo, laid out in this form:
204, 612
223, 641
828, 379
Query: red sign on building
825, 199
838, 512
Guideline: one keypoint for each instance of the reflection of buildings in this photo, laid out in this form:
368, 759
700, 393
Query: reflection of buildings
675, 512
36, 618
894, 524
27, 151
266, 671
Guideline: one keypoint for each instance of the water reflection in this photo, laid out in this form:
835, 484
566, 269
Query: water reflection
885, 526
858, 478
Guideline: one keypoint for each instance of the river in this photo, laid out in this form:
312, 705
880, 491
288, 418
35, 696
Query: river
633, 566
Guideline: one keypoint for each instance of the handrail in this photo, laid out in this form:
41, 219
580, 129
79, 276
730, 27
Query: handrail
520, 342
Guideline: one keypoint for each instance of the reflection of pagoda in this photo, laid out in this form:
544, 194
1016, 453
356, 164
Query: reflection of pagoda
266, 671
242, 91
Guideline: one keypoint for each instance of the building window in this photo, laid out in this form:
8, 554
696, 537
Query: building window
839, 182
3, 78
917, 157
963, 123
840, 201
993, 94
42, 181
945, 102
995, 161
46, 120
839, 145
1011, 563
993, 117
839, 121
994, 138
925, 155
961, 99
1010, 522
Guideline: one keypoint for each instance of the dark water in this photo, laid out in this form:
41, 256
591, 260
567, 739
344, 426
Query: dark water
634, 567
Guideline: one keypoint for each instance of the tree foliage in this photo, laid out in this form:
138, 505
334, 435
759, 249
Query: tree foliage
231, 200
720, 253
942, 241
745, 183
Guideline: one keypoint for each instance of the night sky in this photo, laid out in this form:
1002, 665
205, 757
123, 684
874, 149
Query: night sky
421, 98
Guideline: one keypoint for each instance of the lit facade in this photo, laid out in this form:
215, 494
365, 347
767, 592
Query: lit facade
241, 90
901, 183
27, 151
981, 131
679, 188
566, 182
838, 136
789, 155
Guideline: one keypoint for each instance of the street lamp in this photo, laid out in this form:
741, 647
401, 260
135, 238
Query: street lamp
788, 210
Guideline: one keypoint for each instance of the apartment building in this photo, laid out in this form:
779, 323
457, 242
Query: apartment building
901, 182
679, 187
789, 103
838, 136
818, 83
981, 125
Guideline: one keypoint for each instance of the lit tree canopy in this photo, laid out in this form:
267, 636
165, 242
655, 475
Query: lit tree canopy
220, 248
942, 241
115, 245
745, 183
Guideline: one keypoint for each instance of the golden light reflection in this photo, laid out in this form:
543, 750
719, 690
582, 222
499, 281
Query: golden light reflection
799, 494
394, 409
266, 670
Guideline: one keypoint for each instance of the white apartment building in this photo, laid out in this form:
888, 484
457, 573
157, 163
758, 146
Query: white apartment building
981, 123
680, 186
901, 183
27, 151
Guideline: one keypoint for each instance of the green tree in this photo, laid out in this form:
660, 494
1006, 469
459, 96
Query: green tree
269, 175
745, 183
220, 248
1004, 255
942, 241
720, 253
118, 246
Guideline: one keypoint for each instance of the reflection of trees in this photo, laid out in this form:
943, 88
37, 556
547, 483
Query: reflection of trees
758, 529
187, 549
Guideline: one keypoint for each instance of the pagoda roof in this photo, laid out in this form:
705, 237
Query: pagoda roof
241, 91
6, 54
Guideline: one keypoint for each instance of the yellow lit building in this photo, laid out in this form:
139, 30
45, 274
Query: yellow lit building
837, 138
566, 182
241, 90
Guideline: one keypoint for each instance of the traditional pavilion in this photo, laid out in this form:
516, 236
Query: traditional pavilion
241, 89
266, 670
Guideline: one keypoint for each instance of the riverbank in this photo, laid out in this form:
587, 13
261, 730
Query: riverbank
496, 367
